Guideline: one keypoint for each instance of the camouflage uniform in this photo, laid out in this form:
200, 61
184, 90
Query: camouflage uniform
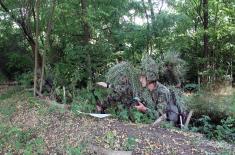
161, 95
164, 102
121, 93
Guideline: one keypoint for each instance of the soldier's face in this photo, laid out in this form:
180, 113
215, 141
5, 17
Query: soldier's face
151, 86
143, 81
169, 67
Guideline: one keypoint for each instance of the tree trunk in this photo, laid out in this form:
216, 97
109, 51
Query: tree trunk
86, 39
47, 44
153, 34
26, 29
205, 26
205, 38
151, 11
36, 48
148, 28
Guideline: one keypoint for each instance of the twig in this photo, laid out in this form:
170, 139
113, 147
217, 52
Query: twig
188, 119
160, 119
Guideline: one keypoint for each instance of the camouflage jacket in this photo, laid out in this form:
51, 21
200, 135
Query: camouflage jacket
121, 93
164, 103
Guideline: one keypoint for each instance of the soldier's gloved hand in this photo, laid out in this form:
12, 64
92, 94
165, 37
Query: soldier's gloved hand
102, 84
178, 85
99, 108
140, 107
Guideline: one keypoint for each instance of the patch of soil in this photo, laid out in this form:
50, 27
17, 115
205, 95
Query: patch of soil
60, 130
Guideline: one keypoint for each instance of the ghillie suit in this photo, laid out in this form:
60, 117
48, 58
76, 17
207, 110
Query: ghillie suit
126, 90
166, 101
121, 74
172, 68
124, 85
179, 100
149, 66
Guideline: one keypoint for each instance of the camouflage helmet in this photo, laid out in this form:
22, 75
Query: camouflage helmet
149, 68
151, 76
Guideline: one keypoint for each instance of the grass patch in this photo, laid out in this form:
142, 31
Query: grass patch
9, 93
10, 100
15, 140
75, 150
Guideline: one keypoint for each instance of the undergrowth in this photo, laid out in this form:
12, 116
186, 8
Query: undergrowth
214, 115
15, 140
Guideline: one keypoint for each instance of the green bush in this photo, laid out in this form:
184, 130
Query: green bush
217, 107
18, 63
129, 143
25, 79
125, 114
2, 78
214, 115
83, 102
74, 150
225, 130
66, 74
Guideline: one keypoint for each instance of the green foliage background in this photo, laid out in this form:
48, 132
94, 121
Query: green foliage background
114, 35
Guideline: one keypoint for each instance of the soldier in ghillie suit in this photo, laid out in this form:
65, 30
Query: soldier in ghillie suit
120, 93
169, 76
171, 69
123, 83
164, 102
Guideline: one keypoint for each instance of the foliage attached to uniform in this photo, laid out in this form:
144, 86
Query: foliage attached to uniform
149, 67
172, 58
120, 72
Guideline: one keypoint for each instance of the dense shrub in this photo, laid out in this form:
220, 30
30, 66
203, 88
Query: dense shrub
214, 115
17, 63
225, 130
25, 79
217, 107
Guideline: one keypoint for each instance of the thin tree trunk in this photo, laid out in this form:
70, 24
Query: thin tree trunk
153, 34
148, 28
231, 72
47, 44
205, 26
86, 39
26, 29
36, 47
205, 37
152, 15
43, 71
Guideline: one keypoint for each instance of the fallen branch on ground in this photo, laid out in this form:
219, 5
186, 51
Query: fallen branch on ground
160, 119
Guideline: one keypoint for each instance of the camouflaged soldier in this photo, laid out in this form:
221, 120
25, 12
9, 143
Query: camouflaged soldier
121, 93
161, 96
164, 100
170, 77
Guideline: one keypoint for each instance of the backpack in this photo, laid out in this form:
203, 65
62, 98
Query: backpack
174, 112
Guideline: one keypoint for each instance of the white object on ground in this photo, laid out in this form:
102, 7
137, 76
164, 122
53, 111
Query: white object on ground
95, 115
102, 84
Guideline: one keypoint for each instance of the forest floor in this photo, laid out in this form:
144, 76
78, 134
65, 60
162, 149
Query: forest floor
29, 125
